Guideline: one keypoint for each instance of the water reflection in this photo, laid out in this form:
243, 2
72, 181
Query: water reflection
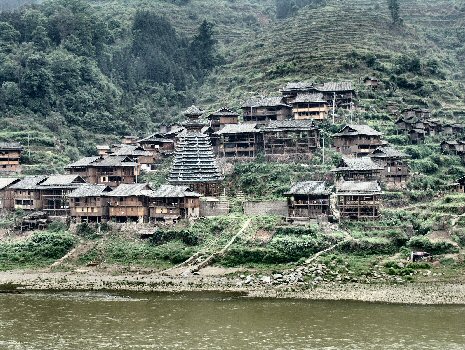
219, 321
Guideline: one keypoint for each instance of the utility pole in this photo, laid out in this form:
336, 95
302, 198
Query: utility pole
334, 106
323, 149
28, 144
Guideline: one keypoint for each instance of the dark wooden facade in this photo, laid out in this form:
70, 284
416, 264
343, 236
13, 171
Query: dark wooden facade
129, 203
290, 140
358, 169
89, 203
308, 200
54, 192
26, 193
358, 200
239, 141
394, 163
10, 156
262, 111
168, 204
222, 117
357, 140
7, 201
111, 171
310, 106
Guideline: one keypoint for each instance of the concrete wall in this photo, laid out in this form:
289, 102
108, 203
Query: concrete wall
256, 208
213, 208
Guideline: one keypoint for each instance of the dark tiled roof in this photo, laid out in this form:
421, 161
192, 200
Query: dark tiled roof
90, 190
277, 125
62, 180
388, 152
130, 150
354, 129
358, 187
115, 161
265, 102
29, 183
357, 164
7, 181
238, 129
325, 87
83, 162
127, 190
193, 110
11, 146
194, 160
309, 188
170, 191
309, 98
336, 86
223, 112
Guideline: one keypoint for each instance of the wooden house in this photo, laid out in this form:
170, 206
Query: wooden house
308, 200
54, 193
417, 136
290, 140
337, 94
10, 156
160, 146
89, 203
411, 112
371, 82
146, 159
194, 163
262, 111
394, 163
358, 200
111, 171
129, 203
26, 193
455, 129
239, 141
103, 150
358, 169
168, 204
310, 106
222, 117
115, 170
129, 140
83, 168
357, 140
7, 201
453, 147
459, 185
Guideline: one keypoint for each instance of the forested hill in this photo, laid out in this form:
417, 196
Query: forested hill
74, 73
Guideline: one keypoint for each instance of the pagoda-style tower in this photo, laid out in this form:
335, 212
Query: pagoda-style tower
194, 163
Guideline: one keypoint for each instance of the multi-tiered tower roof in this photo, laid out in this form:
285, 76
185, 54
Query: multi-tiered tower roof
194, 163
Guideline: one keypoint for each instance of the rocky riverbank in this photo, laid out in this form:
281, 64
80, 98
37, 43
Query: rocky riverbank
274, 286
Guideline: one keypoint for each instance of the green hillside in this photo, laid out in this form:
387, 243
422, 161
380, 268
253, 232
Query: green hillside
75, 73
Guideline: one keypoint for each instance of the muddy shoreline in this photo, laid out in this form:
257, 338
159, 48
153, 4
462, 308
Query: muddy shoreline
434, 293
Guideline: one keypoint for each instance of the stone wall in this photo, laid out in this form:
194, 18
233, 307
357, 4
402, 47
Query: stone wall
255, 208
213, 208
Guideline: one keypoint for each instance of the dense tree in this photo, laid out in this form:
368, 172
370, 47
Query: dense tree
394, 9
202, 48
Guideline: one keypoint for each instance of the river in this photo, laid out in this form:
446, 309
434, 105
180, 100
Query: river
89, 320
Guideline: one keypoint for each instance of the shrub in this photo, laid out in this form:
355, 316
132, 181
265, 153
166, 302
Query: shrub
188, 237
424, 244
368, 246
85, 230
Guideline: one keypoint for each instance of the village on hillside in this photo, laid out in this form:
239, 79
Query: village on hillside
285, 128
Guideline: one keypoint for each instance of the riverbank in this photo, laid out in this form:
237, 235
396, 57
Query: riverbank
433, 293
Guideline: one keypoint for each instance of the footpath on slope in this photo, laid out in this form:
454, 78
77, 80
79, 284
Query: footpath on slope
194, 265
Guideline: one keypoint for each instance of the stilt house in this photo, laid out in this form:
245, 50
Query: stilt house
308, 200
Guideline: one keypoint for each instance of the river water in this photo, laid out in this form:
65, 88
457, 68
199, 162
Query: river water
88, 321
